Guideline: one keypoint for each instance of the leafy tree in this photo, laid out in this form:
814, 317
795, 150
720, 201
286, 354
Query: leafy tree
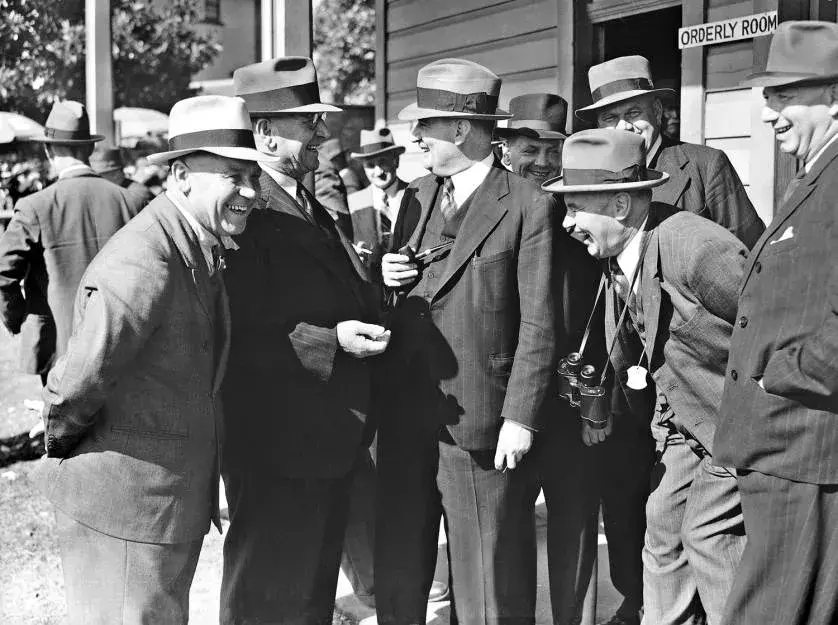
156, 51
344, 50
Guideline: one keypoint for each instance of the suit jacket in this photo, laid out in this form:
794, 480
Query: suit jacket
50, 241
788, 338
365, 221
689, 281
482, 347
133, 415
702, 181
296, 403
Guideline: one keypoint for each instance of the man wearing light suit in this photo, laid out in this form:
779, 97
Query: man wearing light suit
674, 277
132, 413
779, 413
473, 360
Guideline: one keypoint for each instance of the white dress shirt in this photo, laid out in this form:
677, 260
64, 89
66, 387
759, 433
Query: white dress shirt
466, 181
288, 184
206, 239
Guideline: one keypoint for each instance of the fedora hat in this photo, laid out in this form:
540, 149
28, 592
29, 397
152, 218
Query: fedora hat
211, 123
536, 115
280, 86
604, 159
375, 142
105, 159
800, 52
455, 88
618, 80
68, 124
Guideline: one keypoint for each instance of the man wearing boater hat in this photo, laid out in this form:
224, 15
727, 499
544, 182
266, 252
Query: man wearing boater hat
674, 277
472, 362
53, 236
298, 395
132, 410
779, 412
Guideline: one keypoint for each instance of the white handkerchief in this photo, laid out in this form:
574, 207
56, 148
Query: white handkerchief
788, 233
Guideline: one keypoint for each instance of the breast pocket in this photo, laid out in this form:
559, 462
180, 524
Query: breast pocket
494, 281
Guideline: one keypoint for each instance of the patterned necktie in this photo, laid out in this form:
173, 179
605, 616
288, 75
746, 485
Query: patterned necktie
303, 202
618, 279
218, 262
384, 218
448, 205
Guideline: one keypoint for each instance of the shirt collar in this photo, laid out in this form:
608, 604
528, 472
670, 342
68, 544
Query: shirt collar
206, 240
811, 163
75, 167
629, 258
466, 181
653, 151
288, 184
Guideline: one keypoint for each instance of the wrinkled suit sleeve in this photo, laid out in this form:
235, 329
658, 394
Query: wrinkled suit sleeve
18, 246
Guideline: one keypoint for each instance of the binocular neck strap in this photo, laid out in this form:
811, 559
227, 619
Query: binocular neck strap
593, 312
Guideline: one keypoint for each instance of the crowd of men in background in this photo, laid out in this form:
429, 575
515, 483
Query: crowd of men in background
364, 368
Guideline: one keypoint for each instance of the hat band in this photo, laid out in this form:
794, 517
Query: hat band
440, 100
376, 147
534, 124
66, 135
577, 177
213, 138
276, 100
619, 86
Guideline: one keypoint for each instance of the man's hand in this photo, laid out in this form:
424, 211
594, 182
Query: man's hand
514, 441
397, 270
591, 436
361, 340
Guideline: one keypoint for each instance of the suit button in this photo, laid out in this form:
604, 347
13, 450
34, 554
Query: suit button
743, 321
757, 266
432, 275
733, 375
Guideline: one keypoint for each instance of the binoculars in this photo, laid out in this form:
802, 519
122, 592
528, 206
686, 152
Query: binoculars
579, 386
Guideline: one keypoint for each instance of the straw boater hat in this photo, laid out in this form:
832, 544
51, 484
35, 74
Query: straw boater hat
618, 80
375, 142
280, 86
68, 124
604, 159
800, 53
536, 115
210, 123
455, 88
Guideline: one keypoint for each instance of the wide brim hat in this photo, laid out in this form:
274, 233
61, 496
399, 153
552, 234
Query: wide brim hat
280, 86
619, 80
455, 88
800, 53
604, 159
375, 142
216, 124
68, 124
537, 116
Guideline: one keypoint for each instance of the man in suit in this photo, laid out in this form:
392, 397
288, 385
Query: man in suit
299, 391
533, 136
677, 277
330, 186
375, 208
778, 414
132, 410
472, 363
53, 236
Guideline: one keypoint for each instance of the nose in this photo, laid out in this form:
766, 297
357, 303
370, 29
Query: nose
322, 130
769, 115
569, 221
247, 193
624, 125
541, 160
414, 130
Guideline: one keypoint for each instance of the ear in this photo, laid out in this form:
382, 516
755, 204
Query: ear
504, 148
180, 174
620, 206
262, 134
658, 106
461, 131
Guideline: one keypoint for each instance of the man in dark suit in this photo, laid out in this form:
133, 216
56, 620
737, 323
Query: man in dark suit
53, 236
677, 277
473, 359
132, 410
779, 413
299, 391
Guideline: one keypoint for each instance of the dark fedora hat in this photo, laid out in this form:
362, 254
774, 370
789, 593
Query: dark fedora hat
536, 115
375, 142
800, 52
105, 159
68, 124
279, 86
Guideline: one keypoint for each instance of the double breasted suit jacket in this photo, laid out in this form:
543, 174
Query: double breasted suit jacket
690, 275
482, 346
50, 241
296, 403
787, 337
133, 415
703, 181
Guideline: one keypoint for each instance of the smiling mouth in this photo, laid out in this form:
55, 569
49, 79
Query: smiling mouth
779, 130
239, 209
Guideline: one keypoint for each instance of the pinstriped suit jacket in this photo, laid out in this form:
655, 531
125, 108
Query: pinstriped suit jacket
790, 301
690, 278
491, 317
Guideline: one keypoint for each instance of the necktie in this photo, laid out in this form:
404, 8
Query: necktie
795, 182
218, 262
384, 217
448, 205
619, 280
303, 202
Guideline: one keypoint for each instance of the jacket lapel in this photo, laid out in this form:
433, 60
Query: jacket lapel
425, 198
225, 349
484, 212
673, 161
650, 291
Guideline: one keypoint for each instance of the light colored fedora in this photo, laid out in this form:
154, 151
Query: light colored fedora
455, 88
280, 86
536, 115
68, 124
800, 52
618, 80
375, 142
211, 123
604, 159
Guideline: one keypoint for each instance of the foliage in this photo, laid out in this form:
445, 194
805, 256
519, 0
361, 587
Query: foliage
344, 50
156, 50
